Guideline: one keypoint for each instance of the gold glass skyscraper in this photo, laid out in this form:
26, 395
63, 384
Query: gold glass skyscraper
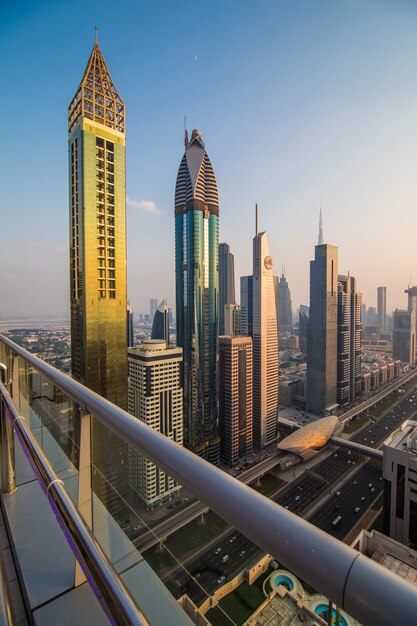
96, 127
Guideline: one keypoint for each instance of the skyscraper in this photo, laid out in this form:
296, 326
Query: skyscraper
160, 324
97, 196
232, 320
322, 332
284, 305
235, 398
153, 304
246, 306
381, 308
265, 345
348, 340
226, 282
155, 397
129, 322
96, 142
197, 286
303, 323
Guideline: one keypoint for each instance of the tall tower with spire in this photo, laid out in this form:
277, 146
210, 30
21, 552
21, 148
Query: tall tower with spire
260, 315
197, 287
97, 198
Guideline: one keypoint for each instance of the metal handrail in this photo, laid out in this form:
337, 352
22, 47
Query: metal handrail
363, 588
103, 578
7, 613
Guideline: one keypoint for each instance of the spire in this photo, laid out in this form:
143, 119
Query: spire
321, 240
256, 220
185, 132
97, 98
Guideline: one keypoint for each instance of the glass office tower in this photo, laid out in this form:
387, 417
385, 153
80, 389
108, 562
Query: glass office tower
197, 284
97, 199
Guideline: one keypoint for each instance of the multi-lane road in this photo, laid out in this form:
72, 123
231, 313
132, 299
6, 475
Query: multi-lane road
341, 480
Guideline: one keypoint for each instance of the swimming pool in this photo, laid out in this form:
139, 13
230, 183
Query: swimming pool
322, 610
281, 579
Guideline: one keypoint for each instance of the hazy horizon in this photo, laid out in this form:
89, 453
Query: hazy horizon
301, 105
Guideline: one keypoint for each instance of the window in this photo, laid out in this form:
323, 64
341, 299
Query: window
99, 142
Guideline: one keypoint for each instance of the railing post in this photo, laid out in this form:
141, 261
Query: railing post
8, 480
84, 497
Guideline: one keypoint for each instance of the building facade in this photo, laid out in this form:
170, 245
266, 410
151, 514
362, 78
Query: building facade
160, 324
284, 306
96, 143
265, 346
246, 306
197, 286
129, 323
232, 320
348, 340
155, 397
235, 398
382, 308
226, 283
97, 200
404, 336
322, 332
303, 322
400, 477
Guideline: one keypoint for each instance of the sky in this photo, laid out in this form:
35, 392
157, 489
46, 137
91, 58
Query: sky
301, 104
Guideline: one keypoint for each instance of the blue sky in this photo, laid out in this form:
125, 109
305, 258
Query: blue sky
300, 104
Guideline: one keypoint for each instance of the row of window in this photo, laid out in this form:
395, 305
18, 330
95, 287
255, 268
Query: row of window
106, 275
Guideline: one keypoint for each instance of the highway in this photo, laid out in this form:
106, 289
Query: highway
176, 521
342, 479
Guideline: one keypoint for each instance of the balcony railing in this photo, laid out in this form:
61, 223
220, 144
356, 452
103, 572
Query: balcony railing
366, 591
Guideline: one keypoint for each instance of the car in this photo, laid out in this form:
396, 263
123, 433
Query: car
372, 441
337, 507
217, 551
370, 485
225, 558
335, 455
220, 580
381, 478
355, 482
242, 553
297, 497
338, 493
363, 498
358, 508
373, 489
232, 539
349, 461
197, 575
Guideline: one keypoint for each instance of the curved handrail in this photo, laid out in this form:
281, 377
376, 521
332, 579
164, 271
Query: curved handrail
102, 577
363, 588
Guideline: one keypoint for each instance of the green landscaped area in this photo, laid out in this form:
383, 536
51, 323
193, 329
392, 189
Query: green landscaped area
356, 423
196, 535
185, 541
269, 485
392, 399
240, 604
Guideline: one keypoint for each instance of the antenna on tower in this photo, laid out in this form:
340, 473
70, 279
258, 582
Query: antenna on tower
256, 219
96, 35
185, 131
321, 241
